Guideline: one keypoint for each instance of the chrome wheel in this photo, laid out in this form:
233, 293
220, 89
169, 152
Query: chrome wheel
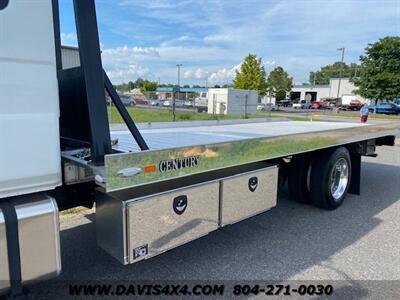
339, 178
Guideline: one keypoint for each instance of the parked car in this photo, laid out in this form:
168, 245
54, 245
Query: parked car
330, 105
155, 103
317, 105
266, 107
388, 108
127, 101
188, 104
353, 105
178, 103
141, 101
284, 103
296, 105
303, 104
371, 108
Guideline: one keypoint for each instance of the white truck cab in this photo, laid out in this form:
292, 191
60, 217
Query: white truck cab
201, 102
29, 107
30, 162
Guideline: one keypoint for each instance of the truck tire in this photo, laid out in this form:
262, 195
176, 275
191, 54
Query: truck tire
297, 177
330, 178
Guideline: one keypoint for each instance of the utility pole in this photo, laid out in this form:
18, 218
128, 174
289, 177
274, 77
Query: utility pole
355, 72
178, 90
341, 71
179, 74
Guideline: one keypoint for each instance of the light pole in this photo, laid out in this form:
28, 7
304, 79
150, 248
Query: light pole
178, 90
341, 70
179, 74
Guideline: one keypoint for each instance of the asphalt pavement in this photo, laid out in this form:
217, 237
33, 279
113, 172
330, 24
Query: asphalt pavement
351, 247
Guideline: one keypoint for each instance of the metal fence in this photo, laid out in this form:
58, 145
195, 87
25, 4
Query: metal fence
218, 108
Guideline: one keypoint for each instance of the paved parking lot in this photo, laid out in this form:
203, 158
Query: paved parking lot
358, 241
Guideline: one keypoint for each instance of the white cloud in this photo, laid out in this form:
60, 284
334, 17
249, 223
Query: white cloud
218, 38
123, 63
69, 39
125, 73
193, 54
184, 38
179, 41
127, 52
196, 74
155, 4
269, 63
223, 76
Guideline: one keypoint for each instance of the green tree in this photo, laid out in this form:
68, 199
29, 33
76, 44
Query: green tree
334, 71
380, 70
251, 75
148, 86
123, 87
166, 85
279, 83
131, 85
217, 86
138, 83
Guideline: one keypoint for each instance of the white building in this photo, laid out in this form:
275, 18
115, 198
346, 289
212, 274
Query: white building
232, 101
70, 57
318, 92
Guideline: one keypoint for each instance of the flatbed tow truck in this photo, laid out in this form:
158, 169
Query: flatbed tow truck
154, 189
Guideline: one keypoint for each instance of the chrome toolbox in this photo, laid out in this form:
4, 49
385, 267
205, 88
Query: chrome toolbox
136, 229
39, 240
248, 194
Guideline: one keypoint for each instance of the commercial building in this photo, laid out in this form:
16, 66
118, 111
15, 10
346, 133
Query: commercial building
318, 92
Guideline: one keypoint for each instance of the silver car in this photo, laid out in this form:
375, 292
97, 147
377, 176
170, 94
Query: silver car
178, 103
266, 107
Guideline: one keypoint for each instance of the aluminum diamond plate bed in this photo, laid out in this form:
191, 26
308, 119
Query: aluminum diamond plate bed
166, 138
182, 151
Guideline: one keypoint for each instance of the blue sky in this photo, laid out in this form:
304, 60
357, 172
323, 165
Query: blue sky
147, 39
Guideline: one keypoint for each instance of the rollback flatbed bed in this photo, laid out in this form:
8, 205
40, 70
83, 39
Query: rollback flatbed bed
219, 174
